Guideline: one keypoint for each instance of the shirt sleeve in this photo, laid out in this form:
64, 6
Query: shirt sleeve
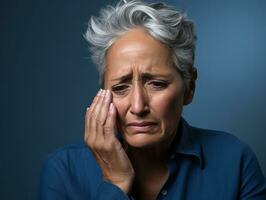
253, 183
56, 184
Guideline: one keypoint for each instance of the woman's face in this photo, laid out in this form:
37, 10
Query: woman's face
148, 91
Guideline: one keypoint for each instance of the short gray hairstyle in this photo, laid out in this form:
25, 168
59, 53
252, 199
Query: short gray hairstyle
164, 23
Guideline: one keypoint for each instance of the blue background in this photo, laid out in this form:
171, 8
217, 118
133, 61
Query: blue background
47, 79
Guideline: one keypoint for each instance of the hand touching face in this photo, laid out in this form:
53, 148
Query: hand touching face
100, 137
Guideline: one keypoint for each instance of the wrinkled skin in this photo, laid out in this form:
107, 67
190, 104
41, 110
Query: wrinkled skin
143, 97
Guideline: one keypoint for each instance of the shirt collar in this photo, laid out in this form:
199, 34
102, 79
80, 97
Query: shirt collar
185, 143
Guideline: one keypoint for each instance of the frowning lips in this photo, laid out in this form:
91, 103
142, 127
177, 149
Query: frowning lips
142, 126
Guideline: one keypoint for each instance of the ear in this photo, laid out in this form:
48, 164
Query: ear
189, 94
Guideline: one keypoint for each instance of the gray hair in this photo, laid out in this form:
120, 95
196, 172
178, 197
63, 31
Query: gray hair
161, 21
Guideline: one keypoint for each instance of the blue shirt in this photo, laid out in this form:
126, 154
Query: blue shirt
203, 165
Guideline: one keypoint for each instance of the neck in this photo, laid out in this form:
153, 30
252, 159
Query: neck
150, 165
152, 157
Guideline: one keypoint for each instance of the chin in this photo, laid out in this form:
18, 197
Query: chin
142, 140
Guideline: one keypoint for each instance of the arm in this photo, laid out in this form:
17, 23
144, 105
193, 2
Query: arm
56, 183
118, 174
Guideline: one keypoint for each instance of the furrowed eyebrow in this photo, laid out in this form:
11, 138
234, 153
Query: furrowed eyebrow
123, 78
144, 75
151, 76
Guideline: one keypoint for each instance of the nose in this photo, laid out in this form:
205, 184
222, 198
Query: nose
139, 101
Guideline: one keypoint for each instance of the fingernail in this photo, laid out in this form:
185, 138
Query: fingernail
107, 93
104, 93
99, 92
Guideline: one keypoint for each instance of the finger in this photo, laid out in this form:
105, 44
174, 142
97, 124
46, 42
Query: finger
97, 123
110, 124
97, 105
101, 118
89, 133
95, 101
90, 109
106, 155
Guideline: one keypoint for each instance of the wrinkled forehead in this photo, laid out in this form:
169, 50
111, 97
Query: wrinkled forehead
137, 52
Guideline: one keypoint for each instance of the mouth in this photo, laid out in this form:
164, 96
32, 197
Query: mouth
141, 127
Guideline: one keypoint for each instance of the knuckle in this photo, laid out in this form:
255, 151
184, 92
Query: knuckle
88, 110
94, 116
91, 114
108, 129
99, 121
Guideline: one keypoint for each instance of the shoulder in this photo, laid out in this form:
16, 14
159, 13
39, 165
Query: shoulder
71, 162
221, 148
69, 169
69, 158
69, 150
219, 141
232, 158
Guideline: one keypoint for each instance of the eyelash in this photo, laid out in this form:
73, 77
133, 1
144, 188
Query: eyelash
120, 89
158, 85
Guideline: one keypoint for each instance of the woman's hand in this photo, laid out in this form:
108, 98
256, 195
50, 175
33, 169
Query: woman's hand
100, 124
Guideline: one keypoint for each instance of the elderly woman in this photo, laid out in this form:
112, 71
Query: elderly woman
137, 145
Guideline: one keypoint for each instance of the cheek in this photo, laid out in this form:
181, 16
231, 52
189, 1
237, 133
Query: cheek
167, 107
120, 108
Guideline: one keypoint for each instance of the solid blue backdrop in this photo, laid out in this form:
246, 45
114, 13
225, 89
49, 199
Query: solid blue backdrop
47, 79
